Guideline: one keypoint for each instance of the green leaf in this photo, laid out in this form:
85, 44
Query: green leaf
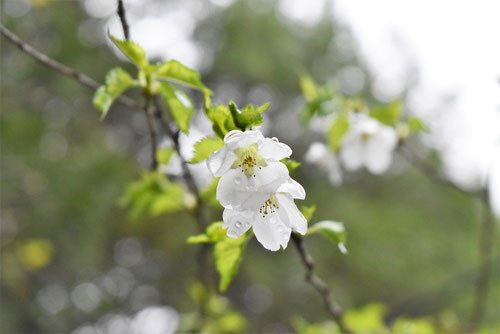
415, 125
173, 70
221, 118
164, 154
405, 325
338, 129
213, 233
102, 101
117, 81
153, 194
369, 319
180, 105
205, 147
335, 231
308, 211
170, 200
388, 114
248, 117
228, 254
309, 87
290, 164
132, 50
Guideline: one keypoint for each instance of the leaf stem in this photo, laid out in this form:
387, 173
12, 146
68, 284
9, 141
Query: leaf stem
331, 305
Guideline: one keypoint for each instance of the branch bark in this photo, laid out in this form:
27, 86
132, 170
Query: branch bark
61, 68
331, 305
123, 19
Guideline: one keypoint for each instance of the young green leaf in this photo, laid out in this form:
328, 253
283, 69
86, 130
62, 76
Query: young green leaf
133, 52
228, 253
117, 81
221, 118
205, 147
309, 87
213, 233
164, 154
291, 164
415, 125
388, 114
153, 194
173, 70
338, 129
335, 231
308, 211
180, 105
248, 117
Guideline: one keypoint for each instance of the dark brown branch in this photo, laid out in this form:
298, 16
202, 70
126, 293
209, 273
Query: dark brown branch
188, 176
123, 19
331, 305
61, 68
152, 133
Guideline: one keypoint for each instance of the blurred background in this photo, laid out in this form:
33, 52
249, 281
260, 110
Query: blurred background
71, 260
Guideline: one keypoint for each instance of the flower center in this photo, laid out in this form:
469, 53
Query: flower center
269, 206
366, 136
248, 158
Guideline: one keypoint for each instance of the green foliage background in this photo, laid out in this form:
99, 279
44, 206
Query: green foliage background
412, 244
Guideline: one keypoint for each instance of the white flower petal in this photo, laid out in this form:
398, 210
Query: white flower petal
271, 232
220, 161
316, 153
352, 152
270, 149
378, 152
293, 188
236, 190
236, 138
237, 222
290, 214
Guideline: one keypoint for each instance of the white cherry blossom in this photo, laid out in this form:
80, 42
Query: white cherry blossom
250, 169
320, 155
368, 143
273, 221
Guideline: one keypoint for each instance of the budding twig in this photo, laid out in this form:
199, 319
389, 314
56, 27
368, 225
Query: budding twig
61, 68
331, 305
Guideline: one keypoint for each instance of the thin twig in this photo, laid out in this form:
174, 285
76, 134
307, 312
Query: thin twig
63, 69
188, 176
123, 19
152, 133
331, 305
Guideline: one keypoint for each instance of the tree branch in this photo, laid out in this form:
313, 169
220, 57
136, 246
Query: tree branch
331, 305
152, 133
123, 19
61, 68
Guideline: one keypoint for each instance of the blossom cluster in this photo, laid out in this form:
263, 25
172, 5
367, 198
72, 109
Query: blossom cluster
256, 190
368, 143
